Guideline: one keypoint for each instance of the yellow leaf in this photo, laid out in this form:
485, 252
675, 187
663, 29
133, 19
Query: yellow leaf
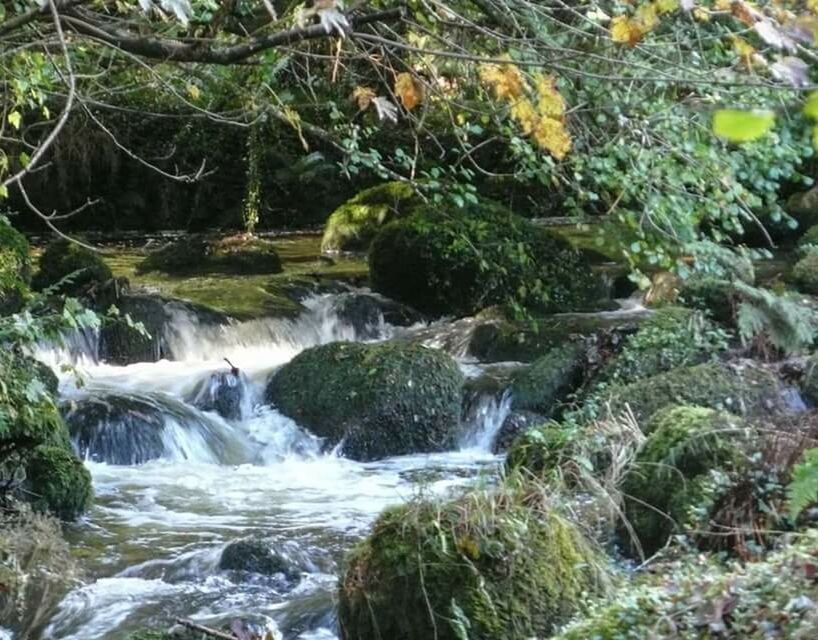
812, 5
524, 113
506, 80
723, 5
815, 137
552, 136
363, 96
550, 103
194, 92
666, 6
811, 106
646, 17
15, 119
701, 14
624, 30
409, 91
744, 50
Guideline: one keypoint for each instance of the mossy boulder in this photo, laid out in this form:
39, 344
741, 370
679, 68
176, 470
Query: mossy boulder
352, 226
458, 262
197, 254
809, 381
744, 389
15, 268
810, 237
542, 450
670, 477
489, 566
58, 482
803, 206
549, 379
379, 399
805, 273
63, 258
254, 555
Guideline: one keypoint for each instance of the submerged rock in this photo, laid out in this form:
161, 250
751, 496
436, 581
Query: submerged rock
461, 262
494, 564
255, 555
367, 312
378, 399
224, 392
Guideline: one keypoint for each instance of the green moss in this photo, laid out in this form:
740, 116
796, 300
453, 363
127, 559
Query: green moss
58, 482
745, 390
810, 237
542, 450
493, 565
805, 273
15, 268
62, 258
710, 294
380, 399
444, 262
352, 226
194, 254
549, 379
809, 382
671, 472
742, 601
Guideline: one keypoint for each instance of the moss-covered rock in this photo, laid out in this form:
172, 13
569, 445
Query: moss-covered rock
463, 261
809, 381
810, 237
193, 254
805, 273
352, 226
669, 479
63, 258
379, 399
36, 569
715, 296
744, 389
803, 206
542, 450
489, 566
58, 482
15, 268
549, 379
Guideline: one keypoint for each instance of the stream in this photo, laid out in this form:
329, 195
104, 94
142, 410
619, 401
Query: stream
150, 546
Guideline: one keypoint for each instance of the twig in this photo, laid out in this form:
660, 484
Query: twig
213, 633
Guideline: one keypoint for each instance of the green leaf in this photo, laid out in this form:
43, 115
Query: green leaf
15, 119
742, 126
811, 106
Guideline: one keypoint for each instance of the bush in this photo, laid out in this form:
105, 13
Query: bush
492, 565
202, 254
15, 268
379, 399
352, 226
805, 273
461, 262
810, 237
63, 258
670, 475
58, 482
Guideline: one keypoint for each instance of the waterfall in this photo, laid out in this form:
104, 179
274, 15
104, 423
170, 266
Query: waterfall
484, 417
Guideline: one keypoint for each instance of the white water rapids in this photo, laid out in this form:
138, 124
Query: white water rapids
152, 541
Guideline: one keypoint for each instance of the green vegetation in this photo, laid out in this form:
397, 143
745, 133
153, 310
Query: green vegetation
15, 268
57, 482
353, 225
238, 255
496, 563
80, 267
805, 273
381, 399
549, 379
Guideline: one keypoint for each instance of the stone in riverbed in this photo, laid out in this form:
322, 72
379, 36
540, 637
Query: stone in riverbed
223, 392
255, 555
380, 400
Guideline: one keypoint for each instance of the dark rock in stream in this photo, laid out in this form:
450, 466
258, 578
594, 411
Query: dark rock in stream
516, 424
223, 392
366, 312
122, 344
255, 555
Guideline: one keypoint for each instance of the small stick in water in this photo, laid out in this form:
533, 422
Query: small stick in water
213, 633
233, 370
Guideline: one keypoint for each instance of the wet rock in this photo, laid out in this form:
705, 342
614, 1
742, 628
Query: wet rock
122, 344
223, 392
380, 400
367, 313
516, 424
255, 555
549, 379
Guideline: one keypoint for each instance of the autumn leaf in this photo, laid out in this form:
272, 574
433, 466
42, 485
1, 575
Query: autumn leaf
525, 114
193, 91
506, 80
408, 91
666, 6
744, 50
646, 17
626, 31
742, 126
15, 119
363, 96
550, 103
552, 136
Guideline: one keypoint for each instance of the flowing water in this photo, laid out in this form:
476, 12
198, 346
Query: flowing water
150, 546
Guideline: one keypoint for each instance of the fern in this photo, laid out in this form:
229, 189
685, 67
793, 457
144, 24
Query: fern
782, 320
803, 488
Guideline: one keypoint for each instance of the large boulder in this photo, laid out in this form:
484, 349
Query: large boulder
744, 389
489, 566
57, 482
549, 379
65, 259
670, 479
458, 262
241, 255
352, 226
378, 399
15, 268
256, 555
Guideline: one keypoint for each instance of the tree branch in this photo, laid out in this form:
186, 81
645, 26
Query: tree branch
203, 51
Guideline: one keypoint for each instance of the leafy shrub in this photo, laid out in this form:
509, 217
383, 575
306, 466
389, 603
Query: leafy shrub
805, 273
803, 489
